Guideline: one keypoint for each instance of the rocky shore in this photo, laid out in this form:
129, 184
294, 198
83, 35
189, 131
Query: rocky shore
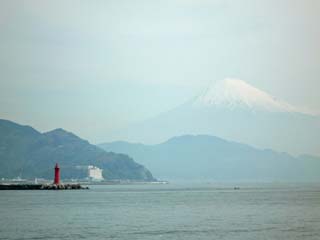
42, 187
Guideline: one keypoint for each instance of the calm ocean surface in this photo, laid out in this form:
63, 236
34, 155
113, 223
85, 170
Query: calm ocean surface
170, 211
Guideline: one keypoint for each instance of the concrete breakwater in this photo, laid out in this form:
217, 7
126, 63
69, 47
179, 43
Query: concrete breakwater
41, 187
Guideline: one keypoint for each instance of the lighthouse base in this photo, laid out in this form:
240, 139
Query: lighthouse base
41, 187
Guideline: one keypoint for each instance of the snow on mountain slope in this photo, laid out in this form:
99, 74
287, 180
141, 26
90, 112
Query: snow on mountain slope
235, 93
232, 109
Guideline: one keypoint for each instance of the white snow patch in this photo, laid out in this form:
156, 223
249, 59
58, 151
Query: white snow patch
234, 93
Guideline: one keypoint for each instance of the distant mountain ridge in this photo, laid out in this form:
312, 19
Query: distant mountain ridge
204, 157
233, 109
27, 153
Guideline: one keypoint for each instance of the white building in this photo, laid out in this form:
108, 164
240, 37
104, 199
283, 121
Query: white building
95, 173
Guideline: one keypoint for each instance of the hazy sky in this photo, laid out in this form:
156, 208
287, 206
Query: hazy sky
94, 66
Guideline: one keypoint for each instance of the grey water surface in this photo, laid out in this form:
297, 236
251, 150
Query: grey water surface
173, 211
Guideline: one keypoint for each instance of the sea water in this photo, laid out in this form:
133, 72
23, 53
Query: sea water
173, 211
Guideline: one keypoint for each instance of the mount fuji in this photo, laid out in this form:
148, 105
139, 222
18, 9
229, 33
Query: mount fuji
233, 109
235, 93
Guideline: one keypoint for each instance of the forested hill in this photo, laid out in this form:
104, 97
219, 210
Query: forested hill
27, 153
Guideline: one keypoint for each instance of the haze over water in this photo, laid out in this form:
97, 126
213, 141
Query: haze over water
202, 211
145, 90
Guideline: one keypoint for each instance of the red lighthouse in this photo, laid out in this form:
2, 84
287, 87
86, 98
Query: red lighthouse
56, 174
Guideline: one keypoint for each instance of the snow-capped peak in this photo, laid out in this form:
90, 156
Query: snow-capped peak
235, 93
